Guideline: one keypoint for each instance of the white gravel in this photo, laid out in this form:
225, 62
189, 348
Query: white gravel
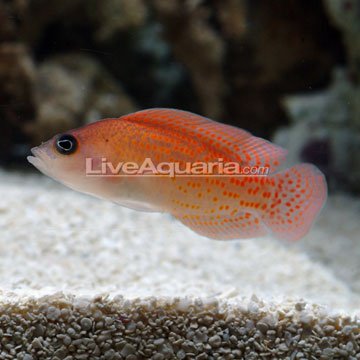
52, 238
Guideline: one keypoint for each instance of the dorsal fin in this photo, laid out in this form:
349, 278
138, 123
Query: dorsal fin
236, 143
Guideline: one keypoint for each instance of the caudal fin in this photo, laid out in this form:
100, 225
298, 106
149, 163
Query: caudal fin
299, 194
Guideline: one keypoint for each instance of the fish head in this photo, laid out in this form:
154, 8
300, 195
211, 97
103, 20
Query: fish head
73, 157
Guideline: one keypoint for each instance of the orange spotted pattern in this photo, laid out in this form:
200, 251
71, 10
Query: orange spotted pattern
221, 140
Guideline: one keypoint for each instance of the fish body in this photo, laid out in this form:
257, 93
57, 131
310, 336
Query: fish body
219, 206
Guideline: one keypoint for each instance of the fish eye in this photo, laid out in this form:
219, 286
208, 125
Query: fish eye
66, 144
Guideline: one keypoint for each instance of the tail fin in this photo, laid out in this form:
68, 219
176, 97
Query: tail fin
299, 194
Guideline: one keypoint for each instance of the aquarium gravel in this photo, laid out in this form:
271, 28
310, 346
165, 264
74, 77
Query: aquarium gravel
82, 278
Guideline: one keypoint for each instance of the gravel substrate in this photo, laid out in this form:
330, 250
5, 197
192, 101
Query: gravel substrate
81, 278
69, 327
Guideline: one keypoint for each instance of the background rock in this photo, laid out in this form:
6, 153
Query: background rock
66, 63
322, 132
243, 55
72, 90
325, 126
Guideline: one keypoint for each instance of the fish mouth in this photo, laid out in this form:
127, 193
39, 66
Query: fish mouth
39, 160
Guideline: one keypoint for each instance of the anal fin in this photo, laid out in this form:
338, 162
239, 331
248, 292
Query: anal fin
241, 225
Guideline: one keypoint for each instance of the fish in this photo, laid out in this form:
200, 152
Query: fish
104, 159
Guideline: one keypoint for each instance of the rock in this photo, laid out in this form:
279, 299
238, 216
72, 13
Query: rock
229, 60
322, 132
72, 90
243, 57
114, 16
198, 47
346, 15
